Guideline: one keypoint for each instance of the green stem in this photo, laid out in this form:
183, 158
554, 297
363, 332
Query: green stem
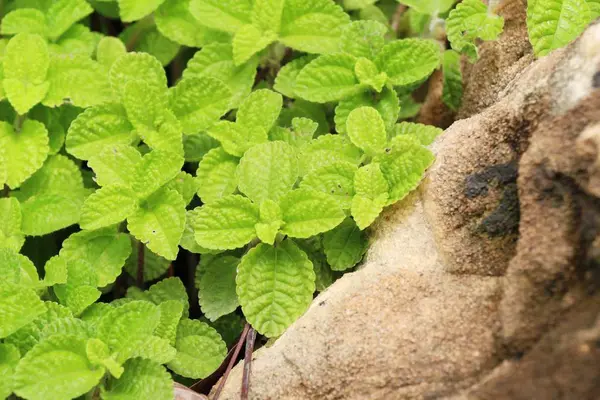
18, 123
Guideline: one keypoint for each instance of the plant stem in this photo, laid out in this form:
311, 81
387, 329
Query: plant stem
5, 191
248, 363
236, 353
397, 17
140, 265
18, 122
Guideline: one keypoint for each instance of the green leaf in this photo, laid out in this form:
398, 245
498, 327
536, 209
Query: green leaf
285, 82
371, 195
216, 287
137, 66
195, 147
335, 180
275, 286
77, 80
143, 379
56, 271
144, 105
167, 290
59, 174
344, 246
268, 171
301, 133
270, 221
453, 84
307, 212
216, 60
363, 38
109, 50
115, 165
200, 350
171, 312
151, 41
156, 169
425, 134
26, 62
156, 349
167, 136
216, 175
304, 109
248, 41
385, 102
11, 235
24, 20
64, 13
266, 14
227, 223
236, 138
77, 40
97, 129
9, 357
312, 26
594, 6
159, 222
358, 4
328, 78
199, 102
184, 184
107, 206
132, 10
553, 24
105, 250
18, 269
408, 61
429, 7
368, 74
80, 290
326, 150
56, 368
99, 354
25, 151
366, 129
261, 109
222, 15
18, 307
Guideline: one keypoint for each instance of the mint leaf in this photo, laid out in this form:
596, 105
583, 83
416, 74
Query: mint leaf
171, 312
11, 235
132, 10
144, 105
142, 379
99, 354
200, 350
227, 223
216, 287
56, 271
366, 129
248, 41
97, 129
270, 221
26, 62
156, 169
236, 138
368, 74
195, 147
275, 286
594, 8
151, 41
326, 150
115, 165
335, 180
216, 175
408, 61
137, 66
371, 195
77, 40
429, 7
184, 184
9, 357
18, 307
307, 213
24, 20
266, 14
222, 15
25, 151
107, 206
358, 4
425, 134
267, 171
386, 103
553, 24
363, 38
300, 134
285, 82
260, 110
56, 368
62, 14
328, 78
109, 50
344, 246
453, 84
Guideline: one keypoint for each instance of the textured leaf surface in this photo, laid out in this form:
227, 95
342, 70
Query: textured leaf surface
56, 368
268, 171
24, 20
10, 224
266, 14
223, 15
270, 221
62, 14
363, 38
371, 195
216, 175
156, 169
195, 147
107, 206
336, 180
216, 287
307, 212
18, 307
144, 104
366, 129
408, 61
142, 379
425, 134
386, 103
344, 246
115, 165
109, 50
236, 138
429, 7
132, 10
285, 82
248, 41
228, 223
185, 184
328, 149
275, 286
328, 78
9, 357
261, 109
136, 66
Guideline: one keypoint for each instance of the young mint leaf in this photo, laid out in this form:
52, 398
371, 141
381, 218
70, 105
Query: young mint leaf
137, 66
453, 85
386, 103
156, 169
62, 14
367, 73
132, 10
260, 110
222, 15
553, 24
195, 147
25, 151
142, 379
184, 184
429, 7
167, 136
11, 235
363, 38
169, 289
159, 222
9, 357
199, 102
328, 78
107, 206
171, 312
144, 105
216, 287
227, 223
188, 239
26, 62
268, 171
266, 14
24, 20
326, 150
99, 354
366, 129
216, 60
371, 195
80, 290
109, 50
300, 134
335, 180
248, 41
313, 26
285, 82
425, 134
77, 40
275, 286
216, 175
99, 128
594, 8
55, 271
18, 307
407, 61
115, 165
200, 350
270, 221
307, 212
56, 368
236, 138
344, 246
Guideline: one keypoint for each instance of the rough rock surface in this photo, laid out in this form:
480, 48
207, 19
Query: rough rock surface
484, 284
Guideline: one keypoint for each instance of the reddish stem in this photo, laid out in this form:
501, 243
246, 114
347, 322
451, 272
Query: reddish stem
248, 363
238, 348
140, 265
